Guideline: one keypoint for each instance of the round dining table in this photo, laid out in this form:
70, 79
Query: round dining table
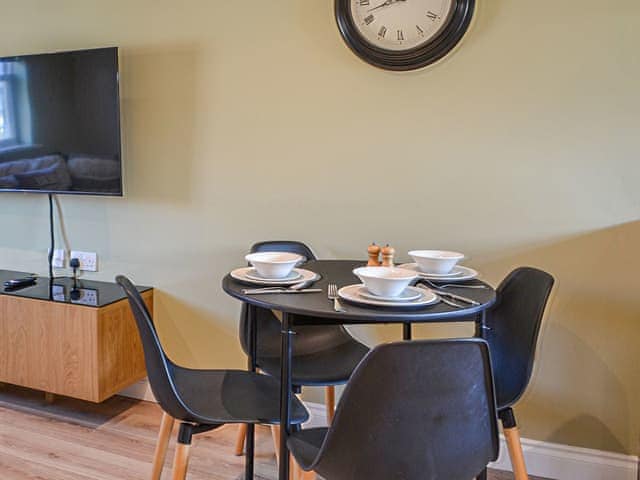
297, 309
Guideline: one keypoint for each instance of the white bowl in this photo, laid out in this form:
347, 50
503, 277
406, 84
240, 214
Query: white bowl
385, 281
273, 264
436, 261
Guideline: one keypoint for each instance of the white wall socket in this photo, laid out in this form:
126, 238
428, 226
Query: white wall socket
88, 260
59, 257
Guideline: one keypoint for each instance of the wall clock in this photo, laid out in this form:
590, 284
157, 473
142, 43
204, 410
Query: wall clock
403, 34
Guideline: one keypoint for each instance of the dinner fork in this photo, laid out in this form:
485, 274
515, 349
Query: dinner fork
333, 295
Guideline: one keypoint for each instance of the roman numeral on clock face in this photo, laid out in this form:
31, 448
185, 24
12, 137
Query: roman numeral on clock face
369, 19
364, 3
432, 16
400, 35
383, 31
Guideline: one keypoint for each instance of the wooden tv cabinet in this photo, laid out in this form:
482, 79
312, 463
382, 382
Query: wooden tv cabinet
76, 339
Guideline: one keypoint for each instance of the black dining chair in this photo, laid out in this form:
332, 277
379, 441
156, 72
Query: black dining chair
435, 418
322, 355
512, 329
202, 400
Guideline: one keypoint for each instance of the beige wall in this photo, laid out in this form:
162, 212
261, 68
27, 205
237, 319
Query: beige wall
252, 120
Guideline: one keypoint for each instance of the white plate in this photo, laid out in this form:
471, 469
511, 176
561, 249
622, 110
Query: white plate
407, 295
458, 274
254, 275
240, 274
351, 293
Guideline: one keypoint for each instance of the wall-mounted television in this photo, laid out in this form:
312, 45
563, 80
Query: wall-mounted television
60, 123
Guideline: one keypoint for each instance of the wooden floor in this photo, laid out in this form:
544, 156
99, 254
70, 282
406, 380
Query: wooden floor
73, 440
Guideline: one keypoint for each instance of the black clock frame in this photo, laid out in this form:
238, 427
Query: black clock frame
411, 59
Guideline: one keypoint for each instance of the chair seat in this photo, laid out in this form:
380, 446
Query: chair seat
331, 366
305, 445
232, 396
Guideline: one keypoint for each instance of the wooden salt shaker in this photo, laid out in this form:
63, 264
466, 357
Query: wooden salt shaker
388, 253
374, 255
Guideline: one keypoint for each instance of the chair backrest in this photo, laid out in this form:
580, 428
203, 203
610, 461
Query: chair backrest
513, 327
160, 369
423, 409
268, 325
284, 246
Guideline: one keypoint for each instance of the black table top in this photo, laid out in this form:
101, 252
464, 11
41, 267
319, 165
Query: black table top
340, 272
63, 290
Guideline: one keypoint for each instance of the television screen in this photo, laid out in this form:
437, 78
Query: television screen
60, 123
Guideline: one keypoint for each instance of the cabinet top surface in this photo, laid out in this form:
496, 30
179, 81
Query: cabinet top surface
64, 290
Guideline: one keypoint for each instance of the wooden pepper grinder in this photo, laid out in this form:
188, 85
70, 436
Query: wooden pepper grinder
374, 255
388, 253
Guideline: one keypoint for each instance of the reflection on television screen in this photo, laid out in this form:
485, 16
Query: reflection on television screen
60, 123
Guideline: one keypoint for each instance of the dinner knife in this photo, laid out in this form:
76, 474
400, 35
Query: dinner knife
450, 295
459, 298
259, 291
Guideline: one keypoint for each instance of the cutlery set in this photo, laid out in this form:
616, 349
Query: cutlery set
447, 298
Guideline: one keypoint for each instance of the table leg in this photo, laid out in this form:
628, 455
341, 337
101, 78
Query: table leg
251, 365
285, 396
406, 331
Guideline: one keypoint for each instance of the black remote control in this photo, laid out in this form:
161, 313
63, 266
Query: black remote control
19, 283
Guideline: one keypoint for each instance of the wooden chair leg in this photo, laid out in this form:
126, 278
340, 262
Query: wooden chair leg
330, 402
295, 472
300, 474
166, 426
275, 434
512, 435
240, 439
181, 462
181, 458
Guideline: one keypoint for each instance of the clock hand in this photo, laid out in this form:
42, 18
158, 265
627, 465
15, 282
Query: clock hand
385, 4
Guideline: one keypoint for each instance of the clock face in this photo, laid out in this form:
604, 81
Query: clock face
398, 25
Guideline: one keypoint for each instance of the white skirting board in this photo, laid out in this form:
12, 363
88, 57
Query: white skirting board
543, 459
565, 462
140, 390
